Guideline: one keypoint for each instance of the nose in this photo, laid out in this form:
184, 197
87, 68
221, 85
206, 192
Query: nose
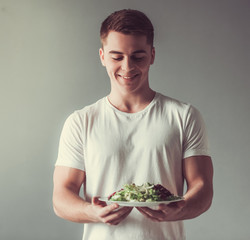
127, 64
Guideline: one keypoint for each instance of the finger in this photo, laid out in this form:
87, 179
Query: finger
163, 207
174, 205
181, 204
117, 213
120, 219
118, 216
149, 211
109, 210
147, 215
152, 214
96, 201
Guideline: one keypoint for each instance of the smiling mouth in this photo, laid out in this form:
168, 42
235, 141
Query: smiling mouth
128, 77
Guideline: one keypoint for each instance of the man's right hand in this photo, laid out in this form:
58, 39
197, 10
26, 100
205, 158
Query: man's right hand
110, 214
69, 205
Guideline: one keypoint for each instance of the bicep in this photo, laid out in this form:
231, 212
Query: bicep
70, 178
198, 170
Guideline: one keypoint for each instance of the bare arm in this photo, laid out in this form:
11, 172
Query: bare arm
69, 205
198, 172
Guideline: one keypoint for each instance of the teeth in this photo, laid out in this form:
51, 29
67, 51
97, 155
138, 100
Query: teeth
126, 77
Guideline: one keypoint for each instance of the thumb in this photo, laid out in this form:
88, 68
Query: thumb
181, 204
172, 205
96, 201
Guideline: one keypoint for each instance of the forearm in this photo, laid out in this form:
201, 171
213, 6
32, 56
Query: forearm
70, 206
198, 199
198, 172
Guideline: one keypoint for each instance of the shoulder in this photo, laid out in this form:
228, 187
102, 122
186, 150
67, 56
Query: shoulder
92, 107
173, 105
179, 110
80, 116
89, 109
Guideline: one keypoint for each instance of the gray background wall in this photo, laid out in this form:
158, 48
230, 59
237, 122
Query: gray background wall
50, 67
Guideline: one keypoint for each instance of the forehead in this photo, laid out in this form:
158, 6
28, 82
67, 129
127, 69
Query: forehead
116, 41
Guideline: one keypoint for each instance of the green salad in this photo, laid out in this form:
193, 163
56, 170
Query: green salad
146, 192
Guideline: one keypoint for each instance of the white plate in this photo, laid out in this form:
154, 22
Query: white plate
138, 204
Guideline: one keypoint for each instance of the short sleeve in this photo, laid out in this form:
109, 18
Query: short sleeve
70, 152
195, 140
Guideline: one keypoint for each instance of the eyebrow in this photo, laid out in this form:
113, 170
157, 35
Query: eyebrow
117, 52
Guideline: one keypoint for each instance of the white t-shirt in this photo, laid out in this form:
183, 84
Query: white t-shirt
115, 148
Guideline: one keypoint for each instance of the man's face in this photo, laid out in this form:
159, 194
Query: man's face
127, 59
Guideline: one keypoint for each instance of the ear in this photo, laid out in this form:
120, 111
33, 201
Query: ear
152, 55
101, 54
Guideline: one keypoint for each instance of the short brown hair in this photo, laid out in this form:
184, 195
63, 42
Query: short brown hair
128, 21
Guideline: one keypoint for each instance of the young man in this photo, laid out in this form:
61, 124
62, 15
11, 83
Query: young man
134, 135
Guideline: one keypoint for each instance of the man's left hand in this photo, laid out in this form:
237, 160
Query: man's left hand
164, 212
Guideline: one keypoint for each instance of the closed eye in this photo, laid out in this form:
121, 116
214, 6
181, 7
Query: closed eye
138, 59
117, 58
133, 58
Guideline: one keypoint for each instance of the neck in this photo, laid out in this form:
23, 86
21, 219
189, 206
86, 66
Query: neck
131, 102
